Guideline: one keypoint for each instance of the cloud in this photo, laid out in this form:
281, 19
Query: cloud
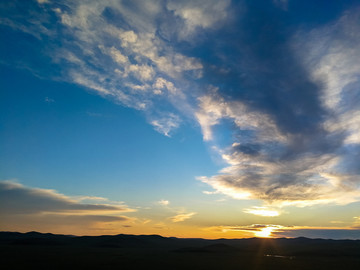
200, 13
331, 60
116, 50
210, 192
336, 222
262, 211
294, 137
356, 222
164, 202
257, 230
18, 199
82, 220
24, 208
90, 198
213, 108
182, 217
167, 123
162, 84
278, 184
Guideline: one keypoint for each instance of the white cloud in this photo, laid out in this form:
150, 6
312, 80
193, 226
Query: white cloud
213, 109
166, 124
164, 202
139, 57
118, 56
127, 38
90, 198
210, 192
161, 83
88, 82
262, 211
199, 13
142, 72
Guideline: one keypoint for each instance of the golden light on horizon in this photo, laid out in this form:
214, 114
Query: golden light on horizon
265, 232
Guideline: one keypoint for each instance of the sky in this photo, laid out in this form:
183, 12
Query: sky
206, 118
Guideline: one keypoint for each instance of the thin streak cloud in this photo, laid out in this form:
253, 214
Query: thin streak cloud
182, 217
18, 199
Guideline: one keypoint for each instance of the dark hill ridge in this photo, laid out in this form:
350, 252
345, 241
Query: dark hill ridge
53, 251
280, 246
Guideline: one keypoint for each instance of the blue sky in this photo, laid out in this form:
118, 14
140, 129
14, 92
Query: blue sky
183, 118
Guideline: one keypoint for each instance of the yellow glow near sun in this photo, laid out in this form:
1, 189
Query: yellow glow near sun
265, 232
264, 213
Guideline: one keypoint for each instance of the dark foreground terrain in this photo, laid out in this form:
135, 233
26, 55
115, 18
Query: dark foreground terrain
49, 251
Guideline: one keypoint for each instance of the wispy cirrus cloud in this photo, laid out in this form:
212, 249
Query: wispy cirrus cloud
166, 124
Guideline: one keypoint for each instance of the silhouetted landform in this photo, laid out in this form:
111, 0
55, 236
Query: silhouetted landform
35, 250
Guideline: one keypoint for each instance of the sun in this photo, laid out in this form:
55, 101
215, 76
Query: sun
265, 232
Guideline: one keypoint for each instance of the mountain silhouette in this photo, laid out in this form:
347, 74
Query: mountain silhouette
34, 250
